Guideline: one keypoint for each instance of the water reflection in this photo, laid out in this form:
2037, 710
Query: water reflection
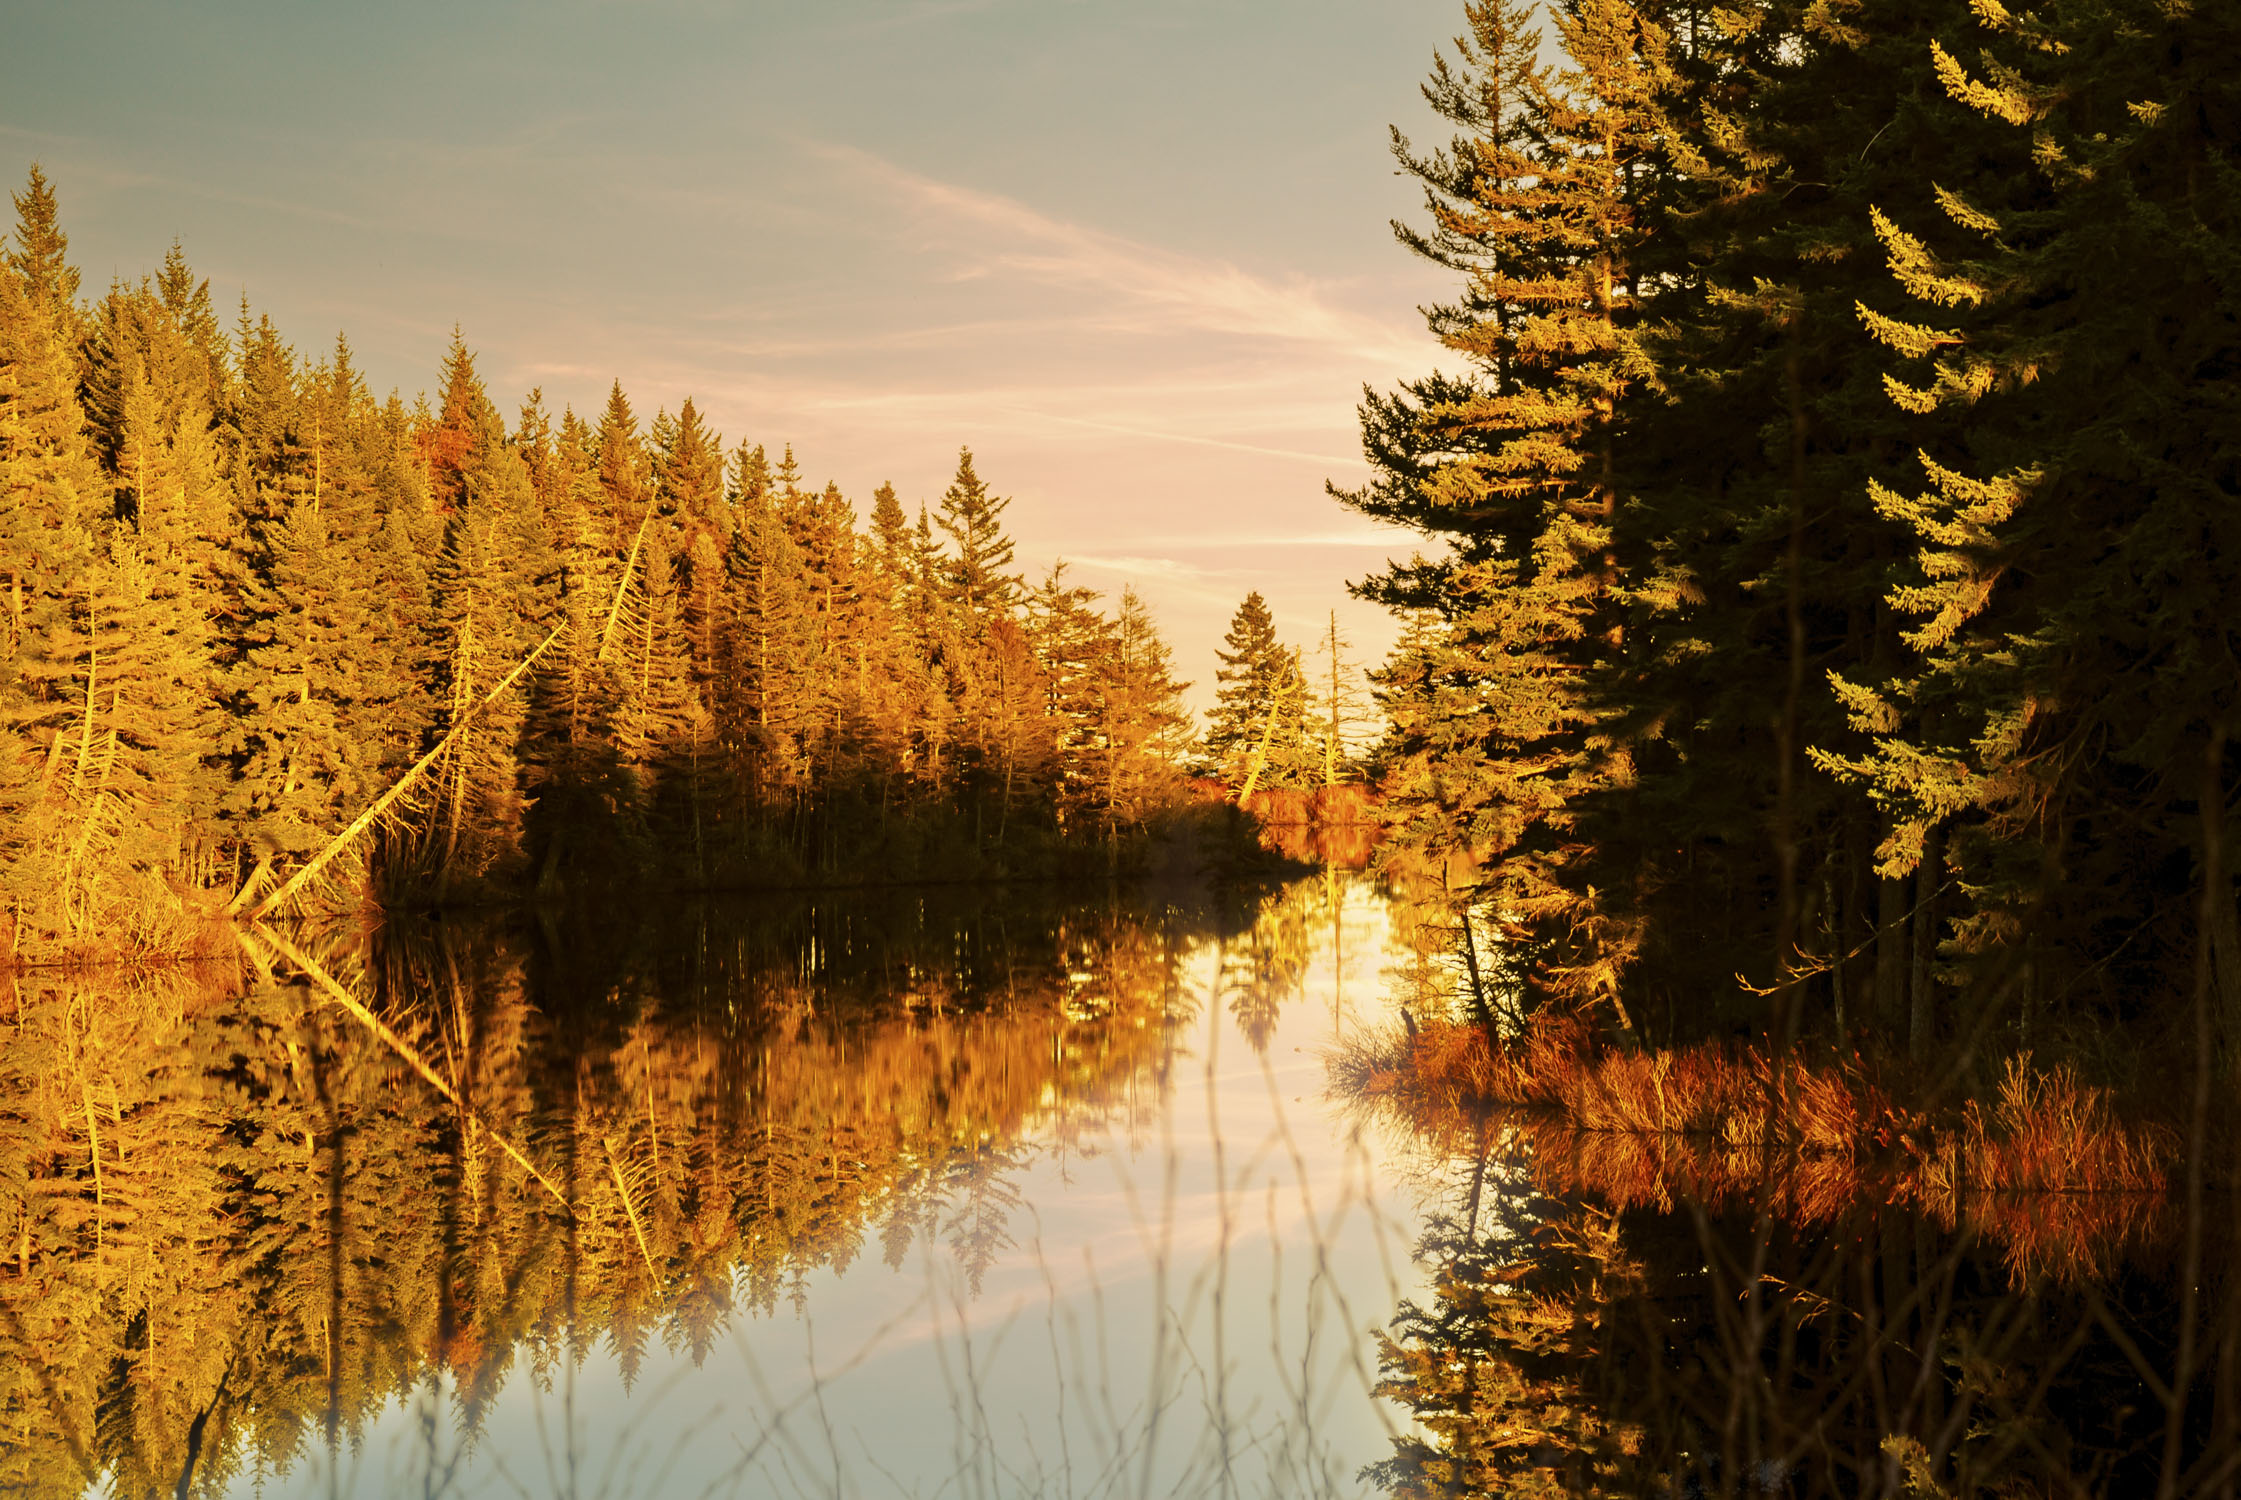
937, 1193
570, 1208
1711, 1271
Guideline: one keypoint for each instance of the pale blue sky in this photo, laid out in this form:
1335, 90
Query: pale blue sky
1135, 254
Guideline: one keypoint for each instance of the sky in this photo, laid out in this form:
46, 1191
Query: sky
1135, 255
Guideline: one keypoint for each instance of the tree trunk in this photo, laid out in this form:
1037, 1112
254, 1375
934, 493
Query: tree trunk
1890, 950
1928, 876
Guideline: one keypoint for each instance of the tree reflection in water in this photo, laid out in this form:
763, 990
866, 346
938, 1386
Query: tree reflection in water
250, 1208
1672, 1289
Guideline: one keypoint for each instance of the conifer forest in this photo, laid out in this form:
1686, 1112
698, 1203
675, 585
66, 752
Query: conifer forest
1832, 499
254, 610
508, 912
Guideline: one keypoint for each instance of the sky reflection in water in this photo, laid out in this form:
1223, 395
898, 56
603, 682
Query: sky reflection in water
1173, 1293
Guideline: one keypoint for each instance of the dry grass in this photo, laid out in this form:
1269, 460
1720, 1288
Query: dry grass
2048, 1169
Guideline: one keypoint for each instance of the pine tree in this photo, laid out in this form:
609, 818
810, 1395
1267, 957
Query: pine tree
624, 477
689, 469
149, 388
305, 763
659, 703
55, 495
1340, 707
2063, 721
53, 503
1074, 647
1768, 562
188, 301
465, 426
497, 595
762, 704
1143, 727
890, 532
40, 257
1247, 686
586, 812
112, 823
321, 705
972, 519
1539, 204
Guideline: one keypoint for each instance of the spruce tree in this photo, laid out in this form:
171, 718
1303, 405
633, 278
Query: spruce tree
890, 532
972, 519
40, 257
305, 762
624, 477
1540, 203
54, 501
1143, 728
690, 470
2063, 723
1772, 561
187, 299
1247, 686
497, 592
1073, 647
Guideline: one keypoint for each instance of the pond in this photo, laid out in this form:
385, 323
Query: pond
922, 1191
1102, 1191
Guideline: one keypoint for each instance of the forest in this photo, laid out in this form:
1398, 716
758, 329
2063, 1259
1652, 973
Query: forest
1817, 715
1833, 515
275, 644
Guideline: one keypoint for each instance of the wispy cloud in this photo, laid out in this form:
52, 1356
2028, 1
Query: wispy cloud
1186, 291
1168, 435
1374, 538
1163, 567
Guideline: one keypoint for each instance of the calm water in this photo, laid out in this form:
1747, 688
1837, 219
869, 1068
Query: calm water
1012, 1193
913, 1194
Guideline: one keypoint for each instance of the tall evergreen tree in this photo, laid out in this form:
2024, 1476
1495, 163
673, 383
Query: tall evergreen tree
972, 519
1249, 689
624, 466
2064, 347
1539, 204
890, 531
54, 500
40, 257
690, 472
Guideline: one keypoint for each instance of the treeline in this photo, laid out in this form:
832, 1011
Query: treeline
247, 602
1839, 509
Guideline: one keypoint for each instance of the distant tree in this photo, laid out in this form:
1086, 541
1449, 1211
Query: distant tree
972, 519
624, 467
890, 531
40, 257
1144, 729
1260, 704
466, 426
1341, 705
688, 463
